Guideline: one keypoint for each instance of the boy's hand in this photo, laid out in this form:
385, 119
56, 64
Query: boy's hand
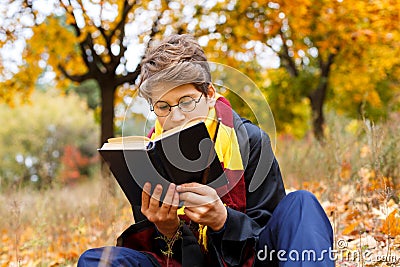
203, 205
165, 217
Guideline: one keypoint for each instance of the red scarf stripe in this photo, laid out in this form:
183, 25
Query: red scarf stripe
236, 196
224, 111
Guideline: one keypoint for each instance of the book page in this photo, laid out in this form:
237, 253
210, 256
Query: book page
126, 142
128, 139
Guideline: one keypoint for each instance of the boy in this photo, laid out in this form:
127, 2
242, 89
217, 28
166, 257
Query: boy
229, 226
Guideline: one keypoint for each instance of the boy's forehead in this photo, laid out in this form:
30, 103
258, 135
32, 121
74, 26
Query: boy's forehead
174, 93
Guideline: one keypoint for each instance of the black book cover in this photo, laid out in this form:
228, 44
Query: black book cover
180, 157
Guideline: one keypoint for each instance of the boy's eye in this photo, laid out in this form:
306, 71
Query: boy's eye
185, 101
162, 106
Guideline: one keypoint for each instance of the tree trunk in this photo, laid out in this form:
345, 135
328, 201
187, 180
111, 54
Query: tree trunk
317, 99
107, 128
107, 113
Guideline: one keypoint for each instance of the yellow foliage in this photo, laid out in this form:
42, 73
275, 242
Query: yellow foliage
381, 184
345, 170
351, 228
18, 89
361, 34
353, 127
55, 42
59, 43
391, 226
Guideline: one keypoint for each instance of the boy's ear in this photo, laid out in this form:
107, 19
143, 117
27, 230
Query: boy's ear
211, 97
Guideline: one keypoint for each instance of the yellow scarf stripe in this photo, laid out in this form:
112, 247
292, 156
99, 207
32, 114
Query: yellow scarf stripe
181, 210
203, 236
227, 148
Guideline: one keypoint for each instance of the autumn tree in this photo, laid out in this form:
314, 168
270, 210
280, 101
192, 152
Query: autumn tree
337, 49
80, 41
336, 52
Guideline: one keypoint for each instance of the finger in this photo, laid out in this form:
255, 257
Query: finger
189, 185
195, 188
175, 203
169, 195
192, 215
155, 198
147, 188
146, 196
191, 199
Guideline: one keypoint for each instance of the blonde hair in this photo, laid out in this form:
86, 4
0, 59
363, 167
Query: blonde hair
177, 60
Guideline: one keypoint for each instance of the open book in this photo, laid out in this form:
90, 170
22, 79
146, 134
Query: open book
181, 155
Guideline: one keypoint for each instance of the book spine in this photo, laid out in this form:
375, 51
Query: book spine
150, 146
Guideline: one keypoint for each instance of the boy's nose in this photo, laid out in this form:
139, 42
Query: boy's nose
177, 114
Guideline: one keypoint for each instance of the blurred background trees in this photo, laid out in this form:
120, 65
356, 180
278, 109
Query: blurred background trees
307, 57
340, 53
80, 41
47, 142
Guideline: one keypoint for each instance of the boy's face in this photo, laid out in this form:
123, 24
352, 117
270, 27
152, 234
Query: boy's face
177, 117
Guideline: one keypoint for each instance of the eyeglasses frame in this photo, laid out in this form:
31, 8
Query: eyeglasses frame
177, 105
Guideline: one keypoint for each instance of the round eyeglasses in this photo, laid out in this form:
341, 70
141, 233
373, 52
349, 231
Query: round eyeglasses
185, 103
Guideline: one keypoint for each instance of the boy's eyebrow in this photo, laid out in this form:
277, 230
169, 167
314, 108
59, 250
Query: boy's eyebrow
190, 94
193, 94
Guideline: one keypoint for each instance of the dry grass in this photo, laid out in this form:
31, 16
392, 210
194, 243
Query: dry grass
53, 227
356, 176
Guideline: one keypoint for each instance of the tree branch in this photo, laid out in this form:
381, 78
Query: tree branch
98, 63
155, 27
75, 78
130, 78
82, 45
326, 66
87, 43
115, 60
73, 24
287, 60
125, 11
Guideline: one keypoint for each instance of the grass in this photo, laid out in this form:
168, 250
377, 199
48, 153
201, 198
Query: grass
53, 227
356, 177
351, 149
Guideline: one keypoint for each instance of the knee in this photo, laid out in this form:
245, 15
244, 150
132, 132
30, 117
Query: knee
294, 202
298, 199
87, 258
306, 205
94, 256
113, 256
301, 196
300, 202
